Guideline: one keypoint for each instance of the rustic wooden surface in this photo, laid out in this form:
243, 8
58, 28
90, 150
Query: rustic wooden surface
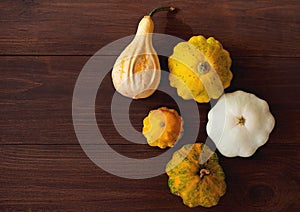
43, 47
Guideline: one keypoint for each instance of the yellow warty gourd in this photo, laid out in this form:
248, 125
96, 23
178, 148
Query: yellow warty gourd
196, 175
200, 69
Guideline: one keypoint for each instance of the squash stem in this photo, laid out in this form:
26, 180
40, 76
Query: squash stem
241, 121
204, 172
163, 8
203, 67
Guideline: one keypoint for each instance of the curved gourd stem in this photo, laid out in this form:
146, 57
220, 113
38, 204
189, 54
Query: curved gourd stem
204, 172
158, 9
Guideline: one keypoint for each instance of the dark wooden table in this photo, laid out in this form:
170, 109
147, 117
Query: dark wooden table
45, 44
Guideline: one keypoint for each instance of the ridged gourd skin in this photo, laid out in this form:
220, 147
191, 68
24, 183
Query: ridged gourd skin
185, 180
162, 127
136, 73
189, 80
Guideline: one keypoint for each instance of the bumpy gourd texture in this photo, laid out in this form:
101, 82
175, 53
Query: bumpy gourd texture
184, 74
184, 179
162, 127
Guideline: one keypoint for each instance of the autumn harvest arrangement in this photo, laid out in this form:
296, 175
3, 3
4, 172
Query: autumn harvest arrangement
239, 123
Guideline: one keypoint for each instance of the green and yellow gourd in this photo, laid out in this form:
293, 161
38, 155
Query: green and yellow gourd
196, 176
200, 69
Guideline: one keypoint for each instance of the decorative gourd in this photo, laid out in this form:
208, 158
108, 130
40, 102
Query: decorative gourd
136, 72
239, 124
200, 69
162, 127
195, 179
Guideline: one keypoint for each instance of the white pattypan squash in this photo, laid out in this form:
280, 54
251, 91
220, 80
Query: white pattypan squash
239, 123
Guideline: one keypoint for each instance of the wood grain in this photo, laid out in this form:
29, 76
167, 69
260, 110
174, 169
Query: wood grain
62, 177
44, 46
38, 108
246, 28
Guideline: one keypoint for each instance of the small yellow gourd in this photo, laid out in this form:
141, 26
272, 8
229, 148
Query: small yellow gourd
136, 72
200, 69
162, 127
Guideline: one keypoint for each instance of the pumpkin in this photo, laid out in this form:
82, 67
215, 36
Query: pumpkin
162, 127
200, 69
136, 72
239, 124
196, 176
